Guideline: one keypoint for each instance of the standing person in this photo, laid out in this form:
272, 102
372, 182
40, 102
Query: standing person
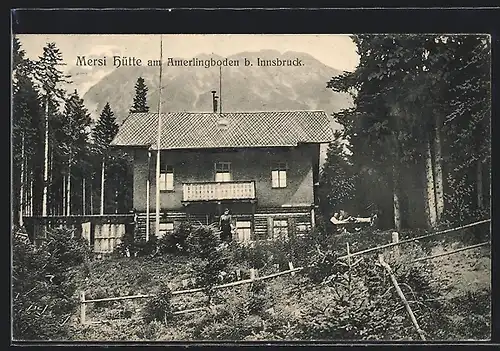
225, 225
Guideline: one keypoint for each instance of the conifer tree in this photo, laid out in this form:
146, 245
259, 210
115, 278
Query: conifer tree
420, 100
104, 132
73, 134
140, 98
105, 128
49, 78
337, 179
25, 123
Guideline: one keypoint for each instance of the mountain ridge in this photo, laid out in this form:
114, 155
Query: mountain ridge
243, 88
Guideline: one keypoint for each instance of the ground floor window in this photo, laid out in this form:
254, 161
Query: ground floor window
244, 230
280, 228
302, 228
165, 229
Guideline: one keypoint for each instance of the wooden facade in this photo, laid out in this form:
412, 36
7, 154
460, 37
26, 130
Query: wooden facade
261, 165
259, 207
102, 232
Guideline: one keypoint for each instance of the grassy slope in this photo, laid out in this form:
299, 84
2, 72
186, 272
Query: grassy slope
456, 274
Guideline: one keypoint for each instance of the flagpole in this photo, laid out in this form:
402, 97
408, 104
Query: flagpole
148, 220
220, 89
157, 223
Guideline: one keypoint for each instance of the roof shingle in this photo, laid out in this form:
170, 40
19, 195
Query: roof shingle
193, 130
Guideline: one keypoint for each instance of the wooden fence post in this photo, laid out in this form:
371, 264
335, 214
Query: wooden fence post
83, 307
395, 240
238, 274
290, 265
401, 296
349, 264
349, 259
252, 273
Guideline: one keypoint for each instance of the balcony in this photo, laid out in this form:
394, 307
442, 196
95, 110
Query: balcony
217, 191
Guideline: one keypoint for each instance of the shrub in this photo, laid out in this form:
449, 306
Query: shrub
100, 293
126, 247
44, 284
231, 320
150, 331
472, 315
159, 308
135, 246
146, 248
203, 243
258, 297
176, 242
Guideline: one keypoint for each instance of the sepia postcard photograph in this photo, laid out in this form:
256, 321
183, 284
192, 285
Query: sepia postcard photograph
251, 187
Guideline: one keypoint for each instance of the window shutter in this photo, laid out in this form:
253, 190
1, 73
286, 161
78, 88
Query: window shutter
270, 229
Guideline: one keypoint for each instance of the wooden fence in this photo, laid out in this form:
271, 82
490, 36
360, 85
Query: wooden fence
254, 277
292, 271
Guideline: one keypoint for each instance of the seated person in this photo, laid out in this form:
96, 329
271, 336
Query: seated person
343, 217
335, 218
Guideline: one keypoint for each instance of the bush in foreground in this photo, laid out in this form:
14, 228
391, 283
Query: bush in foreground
43, 288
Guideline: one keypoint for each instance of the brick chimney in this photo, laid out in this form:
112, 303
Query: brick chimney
214, 100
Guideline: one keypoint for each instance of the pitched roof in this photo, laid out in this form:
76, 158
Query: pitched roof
192, 130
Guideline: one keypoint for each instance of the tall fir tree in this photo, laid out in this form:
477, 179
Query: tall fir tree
338, 179
49, 78
414, 97
72, 137
105, 128
104, 131
140, 99
25, 123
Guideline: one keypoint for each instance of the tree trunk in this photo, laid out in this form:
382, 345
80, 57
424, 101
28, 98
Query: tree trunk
68, 191
116, 201
52, 204
147, 195
46, 158
30, 195
102, 187
63, 195
91, 195
479, 184
83, 196
396, 199
21, 184
430, 189
438, 171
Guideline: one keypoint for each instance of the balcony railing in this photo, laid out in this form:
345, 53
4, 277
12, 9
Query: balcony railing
215, 191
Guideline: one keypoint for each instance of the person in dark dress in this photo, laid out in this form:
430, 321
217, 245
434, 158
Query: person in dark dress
225, 225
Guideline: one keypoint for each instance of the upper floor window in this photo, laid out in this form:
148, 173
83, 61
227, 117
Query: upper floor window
223, 172
278, 175
167, 178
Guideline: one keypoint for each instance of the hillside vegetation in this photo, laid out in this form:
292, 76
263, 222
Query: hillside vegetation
450, 296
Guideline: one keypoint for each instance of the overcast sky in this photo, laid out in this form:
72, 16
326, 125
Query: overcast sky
337, 51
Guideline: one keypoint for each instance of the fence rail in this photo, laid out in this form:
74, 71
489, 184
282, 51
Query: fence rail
382, 247
292, 271
450, 252
254, 278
